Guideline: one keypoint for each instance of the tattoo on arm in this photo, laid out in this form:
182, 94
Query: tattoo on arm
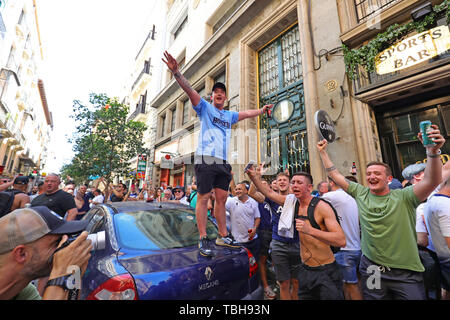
182, 81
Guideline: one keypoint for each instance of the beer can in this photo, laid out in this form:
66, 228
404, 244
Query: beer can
424, 126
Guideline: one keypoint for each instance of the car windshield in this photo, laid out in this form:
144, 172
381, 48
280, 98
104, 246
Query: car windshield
159, 229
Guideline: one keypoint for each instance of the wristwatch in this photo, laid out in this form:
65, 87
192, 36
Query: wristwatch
434, 155
63, 282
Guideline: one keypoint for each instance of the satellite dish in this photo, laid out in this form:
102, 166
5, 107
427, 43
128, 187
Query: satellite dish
324, 126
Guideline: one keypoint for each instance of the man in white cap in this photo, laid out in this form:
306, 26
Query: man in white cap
30, 248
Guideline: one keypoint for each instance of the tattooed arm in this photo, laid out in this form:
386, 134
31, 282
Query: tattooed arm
172, 64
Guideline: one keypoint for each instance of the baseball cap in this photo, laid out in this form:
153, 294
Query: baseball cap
219, 85
178, 188
21, 180
26, 225
409, 172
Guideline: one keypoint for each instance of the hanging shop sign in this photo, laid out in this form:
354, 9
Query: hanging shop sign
324, 126
413, 50
141, 166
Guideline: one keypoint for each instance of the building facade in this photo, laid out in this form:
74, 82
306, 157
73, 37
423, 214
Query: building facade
411, 85
281, 52
25, 119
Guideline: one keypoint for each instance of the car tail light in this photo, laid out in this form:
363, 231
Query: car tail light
253, 266
117, 288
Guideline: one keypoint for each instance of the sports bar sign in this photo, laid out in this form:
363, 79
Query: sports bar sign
413, 50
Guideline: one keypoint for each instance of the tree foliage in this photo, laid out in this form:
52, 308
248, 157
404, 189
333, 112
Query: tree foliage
104, 141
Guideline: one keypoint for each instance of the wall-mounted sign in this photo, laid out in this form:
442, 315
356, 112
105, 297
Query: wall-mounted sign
413, 50
324, 126
166, 163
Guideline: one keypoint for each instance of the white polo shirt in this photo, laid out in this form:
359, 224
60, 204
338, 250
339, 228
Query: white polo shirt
242, 217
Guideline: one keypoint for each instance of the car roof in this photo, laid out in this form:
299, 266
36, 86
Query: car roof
130, 206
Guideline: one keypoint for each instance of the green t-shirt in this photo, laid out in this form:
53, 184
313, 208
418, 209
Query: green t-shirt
388, 226
28, 293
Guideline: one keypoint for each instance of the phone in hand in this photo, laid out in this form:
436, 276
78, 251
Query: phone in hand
249, 165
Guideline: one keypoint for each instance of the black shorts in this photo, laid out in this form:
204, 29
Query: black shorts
211, 173
320, 283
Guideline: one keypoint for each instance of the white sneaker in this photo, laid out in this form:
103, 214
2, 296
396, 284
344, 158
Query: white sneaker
269, 294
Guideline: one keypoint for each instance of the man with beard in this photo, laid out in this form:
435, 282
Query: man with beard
387, 218
29, 239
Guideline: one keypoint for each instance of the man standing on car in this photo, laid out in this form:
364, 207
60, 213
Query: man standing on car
211, 168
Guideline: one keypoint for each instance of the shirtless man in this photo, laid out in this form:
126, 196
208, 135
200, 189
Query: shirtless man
319, 276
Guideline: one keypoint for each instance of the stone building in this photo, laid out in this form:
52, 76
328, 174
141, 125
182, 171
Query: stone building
25, 120
289, 53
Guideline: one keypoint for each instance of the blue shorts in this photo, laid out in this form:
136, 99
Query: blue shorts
348, 261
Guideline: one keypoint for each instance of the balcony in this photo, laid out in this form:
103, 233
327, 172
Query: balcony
142, 80
140, 110
367, 9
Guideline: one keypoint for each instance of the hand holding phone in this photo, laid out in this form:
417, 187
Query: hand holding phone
249, 165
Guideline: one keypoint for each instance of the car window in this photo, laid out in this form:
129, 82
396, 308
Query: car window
159, 229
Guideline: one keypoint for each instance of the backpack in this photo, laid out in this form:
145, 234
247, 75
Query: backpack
7, 200
311, 207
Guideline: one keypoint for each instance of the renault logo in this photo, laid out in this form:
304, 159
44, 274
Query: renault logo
208, 273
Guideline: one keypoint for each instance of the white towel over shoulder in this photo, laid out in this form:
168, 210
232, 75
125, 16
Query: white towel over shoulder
286, 225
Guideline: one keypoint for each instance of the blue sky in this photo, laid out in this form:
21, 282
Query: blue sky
88, 46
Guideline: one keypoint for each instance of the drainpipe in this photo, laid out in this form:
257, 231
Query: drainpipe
310, 87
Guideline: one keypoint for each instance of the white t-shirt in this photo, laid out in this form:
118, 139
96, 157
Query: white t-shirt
421, 225
347, 210
242, 217
97, 199
437, 217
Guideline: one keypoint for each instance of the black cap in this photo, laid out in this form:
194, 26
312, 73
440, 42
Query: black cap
219, 85
179, 188
22, 180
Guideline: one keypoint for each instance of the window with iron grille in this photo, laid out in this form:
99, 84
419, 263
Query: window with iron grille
280, 63
366, 9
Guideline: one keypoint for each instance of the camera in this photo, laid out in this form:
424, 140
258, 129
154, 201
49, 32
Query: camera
98, 240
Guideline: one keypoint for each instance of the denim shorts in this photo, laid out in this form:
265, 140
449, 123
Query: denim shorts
348, 261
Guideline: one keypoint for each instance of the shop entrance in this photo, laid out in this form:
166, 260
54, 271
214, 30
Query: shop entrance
398, 125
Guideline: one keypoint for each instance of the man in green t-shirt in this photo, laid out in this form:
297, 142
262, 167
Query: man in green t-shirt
390, 266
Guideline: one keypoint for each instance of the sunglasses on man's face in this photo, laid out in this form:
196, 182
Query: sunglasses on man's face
5, 181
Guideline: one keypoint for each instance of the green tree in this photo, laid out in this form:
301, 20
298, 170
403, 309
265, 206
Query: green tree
104, 141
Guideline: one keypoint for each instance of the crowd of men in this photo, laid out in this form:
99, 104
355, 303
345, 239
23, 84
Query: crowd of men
378, 240
270, 218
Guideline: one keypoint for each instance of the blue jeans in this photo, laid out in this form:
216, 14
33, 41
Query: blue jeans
348, 261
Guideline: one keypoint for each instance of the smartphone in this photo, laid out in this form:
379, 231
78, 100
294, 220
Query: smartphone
249, 165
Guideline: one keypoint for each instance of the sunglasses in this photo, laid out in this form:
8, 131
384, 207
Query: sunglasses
178, 191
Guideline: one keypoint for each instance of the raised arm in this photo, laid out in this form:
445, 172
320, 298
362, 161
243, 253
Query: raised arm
172, 64
255, 177
331, 170
253, 112
433, 170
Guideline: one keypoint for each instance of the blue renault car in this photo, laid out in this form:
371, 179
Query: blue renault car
150, 251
